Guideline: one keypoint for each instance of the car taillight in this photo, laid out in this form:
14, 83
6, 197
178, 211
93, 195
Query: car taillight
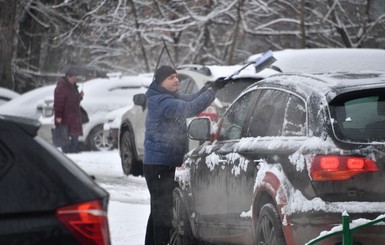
210, 112
330, 168
87, 222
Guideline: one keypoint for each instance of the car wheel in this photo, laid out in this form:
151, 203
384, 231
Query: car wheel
129, 163
269, 227
181, 230
96, 142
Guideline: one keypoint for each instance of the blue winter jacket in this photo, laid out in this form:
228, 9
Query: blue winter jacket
166, 141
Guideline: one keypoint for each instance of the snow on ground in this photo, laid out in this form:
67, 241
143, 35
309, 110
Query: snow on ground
129, 198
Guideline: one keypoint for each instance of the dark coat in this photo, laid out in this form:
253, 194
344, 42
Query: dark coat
67, 106
166, 139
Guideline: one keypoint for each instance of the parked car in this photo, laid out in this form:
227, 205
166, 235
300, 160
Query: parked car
101, 96
192, 78
111, 124
45, 197
288, 157
7, 95
28, 104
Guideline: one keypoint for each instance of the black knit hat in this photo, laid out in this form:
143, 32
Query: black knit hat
162, 73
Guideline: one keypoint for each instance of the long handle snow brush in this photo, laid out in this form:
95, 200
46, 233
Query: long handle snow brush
261, 62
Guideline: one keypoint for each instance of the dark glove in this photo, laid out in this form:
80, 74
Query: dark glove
205, 87
219, 83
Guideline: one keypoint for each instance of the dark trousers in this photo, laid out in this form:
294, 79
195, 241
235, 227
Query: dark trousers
160, 183
72, 146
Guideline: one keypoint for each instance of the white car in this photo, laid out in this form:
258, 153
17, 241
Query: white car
28, 104
7, 95
101, 95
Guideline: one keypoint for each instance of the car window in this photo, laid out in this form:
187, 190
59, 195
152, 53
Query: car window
268, 116
187, 85
233, 89
361, 118
233, 122
295, 117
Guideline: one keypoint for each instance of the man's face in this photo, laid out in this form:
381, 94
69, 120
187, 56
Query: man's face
72, 79
171, 83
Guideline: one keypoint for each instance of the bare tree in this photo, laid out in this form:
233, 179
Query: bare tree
8, 33
40, 37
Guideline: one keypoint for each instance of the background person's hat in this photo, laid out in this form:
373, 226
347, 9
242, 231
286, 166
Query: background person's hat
162, 73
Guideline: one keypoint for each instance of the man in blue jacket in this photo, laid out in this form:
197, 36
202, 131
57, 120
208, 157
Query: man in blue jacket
166, 143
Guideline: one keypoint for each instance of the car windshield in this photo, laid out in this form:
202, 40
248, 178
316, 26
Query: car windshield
360, 118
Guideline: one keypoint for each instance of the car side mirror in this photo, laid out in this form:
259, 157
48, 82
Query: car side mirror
140, 100
200, 128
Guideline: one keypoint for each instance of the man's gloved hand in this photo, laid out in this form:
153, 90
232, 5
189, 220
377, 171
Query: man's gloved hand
206, 86
219, 83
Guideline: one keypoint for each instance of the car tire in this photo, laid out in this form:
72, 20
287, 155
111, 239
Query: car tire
181, 233
130, 164
95, 140
269, 227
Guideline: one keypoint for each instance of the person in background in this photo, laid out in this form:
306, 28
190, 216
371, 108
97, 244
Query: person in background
166, 143
67, 109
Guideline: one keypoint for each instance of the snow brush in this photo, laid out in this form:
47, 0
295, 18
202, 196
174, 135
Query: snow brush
261, 62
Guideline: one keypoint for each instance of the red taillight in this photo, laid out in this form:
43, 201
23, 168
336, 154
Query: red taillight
330, 168
87, 222
210, 112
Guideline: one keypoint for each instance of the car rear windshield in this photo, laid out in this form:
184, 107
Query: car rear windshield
360, 117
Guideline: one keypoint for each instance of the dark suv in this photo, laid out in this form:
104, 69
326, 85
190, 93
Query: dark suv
45, 197
288, 157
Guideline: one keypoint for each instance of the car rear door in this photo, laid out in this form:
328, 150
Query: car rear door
263, 134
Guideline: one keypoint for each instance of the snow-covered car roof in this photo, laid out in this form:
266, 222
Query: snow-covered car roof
7, 93
114, 92
329, 84
328, 60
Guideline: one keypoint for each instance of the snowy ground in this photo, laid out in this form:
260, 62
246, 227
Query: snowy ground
129, 199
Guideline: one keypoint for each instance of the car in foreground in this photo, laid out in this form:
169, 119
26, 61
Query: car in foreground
192, 78
45, 197
286, 160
